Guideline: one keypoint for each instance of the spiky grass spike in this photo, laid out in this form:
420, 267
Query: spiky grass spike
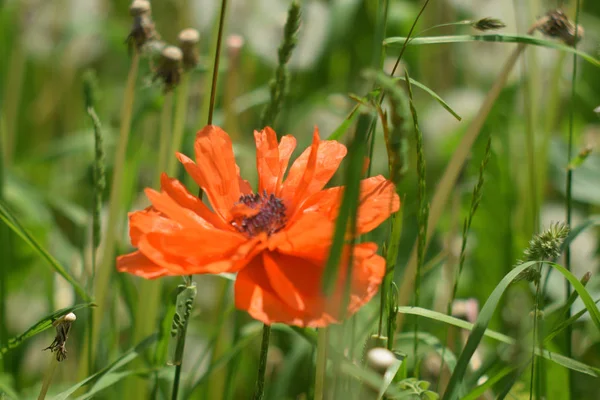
279, 84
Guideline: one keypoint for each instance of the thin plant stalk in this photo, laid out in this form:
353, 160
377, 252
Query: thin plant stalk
101, 289
215, 74
262, 363
534, 338
176, 381
48, 375
179, 119
149, 291
322, 341
569, 190
448, 179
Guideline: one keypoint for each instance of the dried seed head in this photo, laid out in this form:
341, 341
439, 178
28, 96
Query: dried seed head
142, 29
487, 24
557, 25
63, 326
380, 359
188, 39
169, 67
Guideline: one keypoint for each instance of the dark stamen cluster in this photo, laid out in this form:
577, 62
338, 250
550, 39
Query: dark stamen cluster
269, 219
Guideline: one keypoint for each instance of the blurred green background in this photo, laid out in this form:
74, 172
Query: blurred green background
48, 147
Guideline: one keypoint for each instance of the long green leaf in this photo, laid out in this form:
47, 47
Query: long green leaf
433, 94
118, 363
554, 357
41, 326
485, 316
348, 208
345, 125
481, 389
10, 220
501, 38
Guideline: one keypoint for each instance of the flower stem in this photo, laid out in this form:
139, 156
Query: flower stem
213, 88
569, 190
176, 381
48, 375
262, 363
178, 123
321, 364
104, 273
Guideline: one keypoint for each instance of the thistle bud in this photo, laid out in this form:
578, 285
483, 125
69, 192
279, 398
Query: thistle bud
142, 30
169, 67
557, 25
188, 40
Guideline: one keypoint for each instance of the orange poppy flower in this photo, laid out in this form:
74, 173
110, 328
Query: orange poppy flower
277, 239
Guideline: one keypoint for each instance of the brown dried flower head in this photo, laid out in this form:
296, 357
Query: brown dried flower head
487, 24
188, 41
63, 326
557, 25
169, 68
142, 29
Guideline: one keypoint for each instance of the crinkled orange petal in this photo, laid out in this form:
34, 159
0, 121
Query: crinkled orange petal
287, 289
150, 248
162, 202
142, 222
254, 294
309, 236
185, 199
285, 278
215, 170
137, 264
312, 170
378, 199
215, 158
287, 145
267, 160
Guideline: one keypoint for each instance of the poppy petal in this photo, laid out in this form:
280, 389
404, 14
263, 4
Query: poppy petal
137, 264
267, 160
285, 277
254, 294
180, 194
169, 207
286, 148
215, 158
142, 222
378, 200
309, 236
312, 170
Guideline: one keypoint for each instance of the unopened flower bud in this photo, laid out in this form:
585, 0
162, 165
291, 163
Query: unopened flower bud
142, 30
169, 67
380, 360
188, 41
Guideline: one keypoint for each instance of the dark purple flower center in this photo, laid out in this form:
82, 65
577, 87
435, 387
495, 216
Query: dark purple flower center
269, 219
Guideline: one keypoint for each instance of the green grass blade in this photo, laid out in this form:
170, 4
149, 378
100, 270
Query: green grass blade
575, 232
554, 357
589, 303
499, 38
118, 363
485, 317
341, 130
433, 94
225, 358
40, 326
348, 208
481, 389
10, 220
563, 325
